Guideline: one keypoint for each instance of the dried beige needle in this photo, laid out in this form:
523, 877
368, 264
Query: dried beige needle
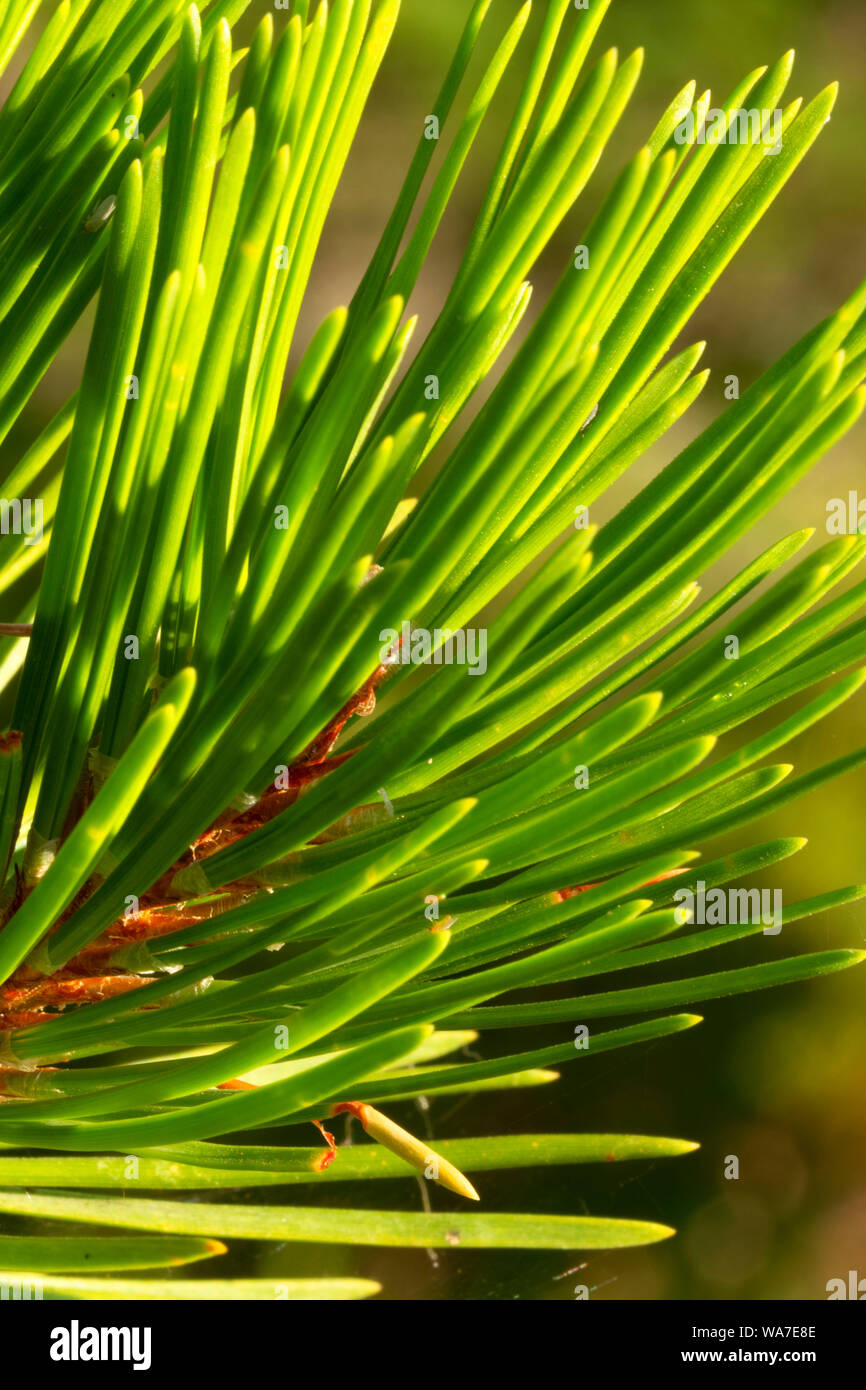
392, 1136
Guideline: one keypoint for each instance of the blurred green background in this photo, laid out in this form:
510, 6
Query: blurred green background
776, 1079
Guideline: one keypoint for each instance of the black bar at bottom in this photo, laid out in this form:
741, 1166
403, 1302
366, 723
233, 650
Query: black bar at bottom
59, 1339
